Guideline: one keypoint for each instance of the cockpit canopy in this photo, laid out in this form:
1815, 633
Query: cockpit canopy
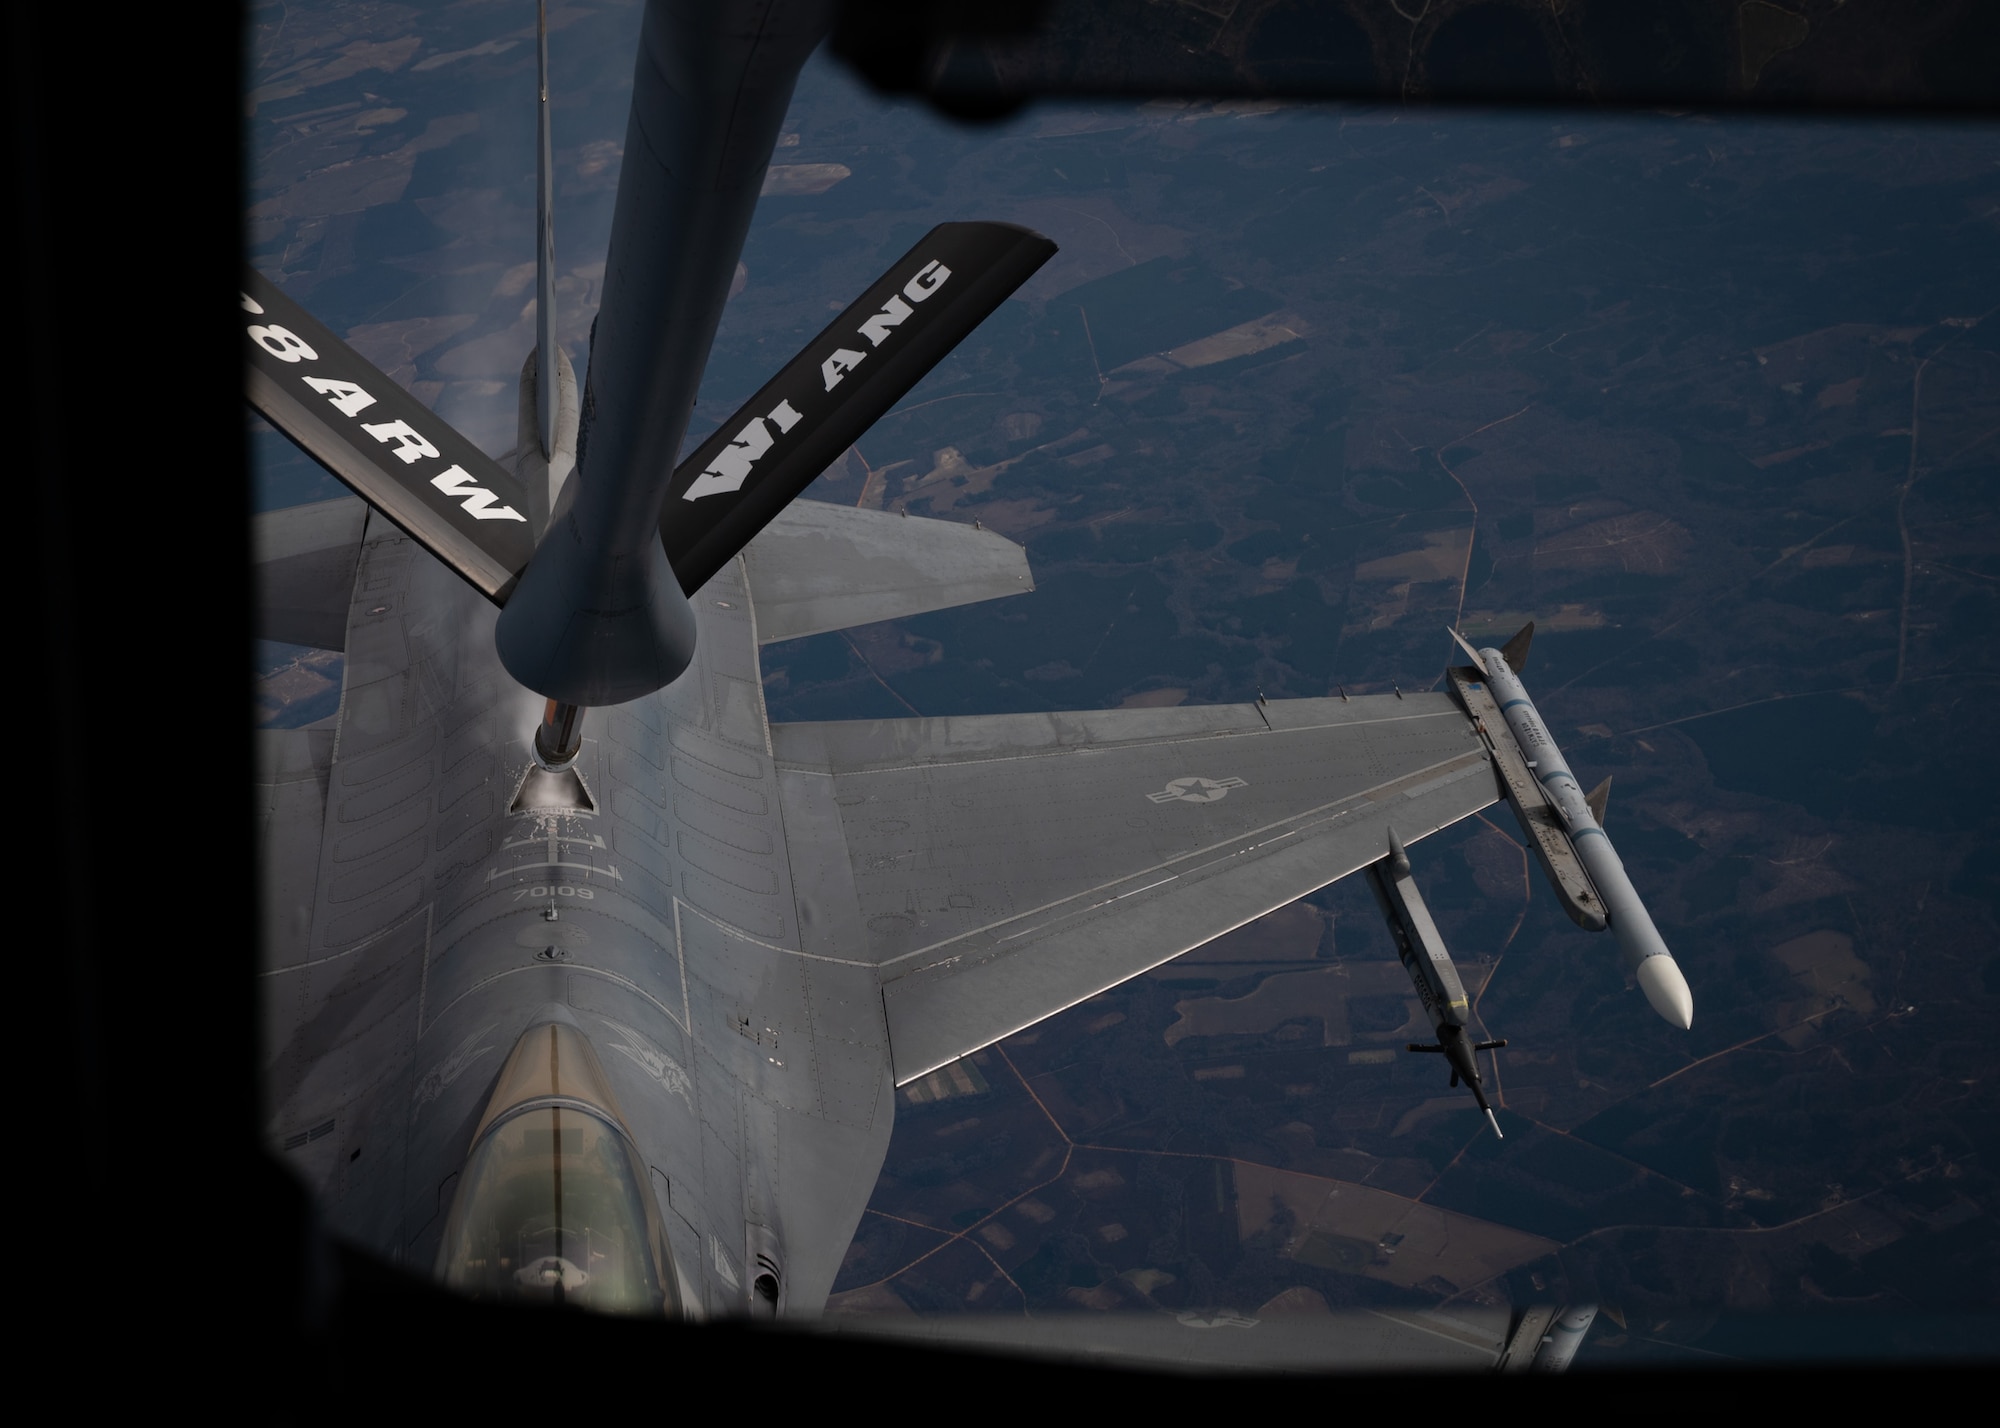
555, 1205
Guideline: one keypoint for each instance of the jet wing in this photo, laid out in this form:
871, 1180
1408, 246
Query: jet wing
1009, 866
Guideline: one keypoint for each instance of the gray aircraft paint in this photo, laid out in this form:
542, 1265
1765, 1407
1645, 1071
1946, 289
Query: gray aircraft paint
759, 929
742, 928
754, 1078
304, 560
1008, 866
835, 566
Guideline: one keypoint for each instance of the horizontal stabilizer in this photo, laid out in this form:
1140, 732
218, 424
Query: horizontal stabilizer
305, 558
820, 567
388, 447
833, 391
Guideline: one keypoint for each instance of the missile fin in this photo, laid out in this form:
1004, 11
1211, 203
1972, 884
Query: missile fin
1515, 651
1597, 798
1477, 663
1399, 859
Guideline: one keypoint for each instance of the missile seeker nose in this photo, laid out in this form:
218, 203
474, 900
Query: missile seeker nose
1667, 990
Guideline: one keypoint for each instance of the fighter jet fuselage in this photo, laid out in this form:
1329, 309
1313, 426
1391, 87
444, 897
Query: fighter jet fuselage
645, 900
609, 1010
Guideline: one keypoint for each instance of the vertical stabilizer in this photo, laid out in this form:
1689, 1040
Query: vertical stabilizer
542, 475
545, 243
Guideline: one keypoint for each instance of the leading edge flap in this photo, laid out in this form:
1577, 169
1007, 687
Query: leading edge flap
833, 391
388, 447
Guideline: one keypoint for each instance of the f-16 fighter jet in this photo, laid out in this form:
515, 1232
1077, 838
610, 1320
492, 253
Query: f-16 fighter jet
584, 982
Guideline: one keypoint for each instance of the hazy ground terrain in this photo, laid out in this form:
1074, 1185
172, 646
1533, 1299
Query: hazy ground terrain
1715, 401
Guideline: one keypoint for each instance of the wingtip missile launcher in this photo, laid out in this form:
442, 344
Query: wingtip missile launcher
1564, 825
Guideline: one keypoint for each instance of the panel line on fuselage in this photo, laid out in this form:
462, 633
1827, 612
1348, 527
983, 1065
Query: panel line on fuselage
574, 971
495, 874
362, 946
765, 943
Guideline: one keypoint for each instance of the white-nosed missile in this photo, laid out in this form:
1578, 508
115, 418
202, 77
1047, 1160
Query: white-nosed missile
1644, 950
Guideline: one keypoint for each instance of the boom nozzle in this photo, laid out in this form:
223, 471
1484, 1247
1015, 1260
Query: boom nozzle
559, 736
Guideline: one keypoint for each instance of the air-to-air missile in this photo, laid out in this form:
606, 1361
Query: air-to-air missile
1562, 1341
1564, 824
1431, 972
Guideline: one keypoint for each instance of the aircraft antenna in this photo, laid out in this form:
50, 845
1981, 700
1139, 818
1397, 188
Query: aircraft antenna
547, 383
